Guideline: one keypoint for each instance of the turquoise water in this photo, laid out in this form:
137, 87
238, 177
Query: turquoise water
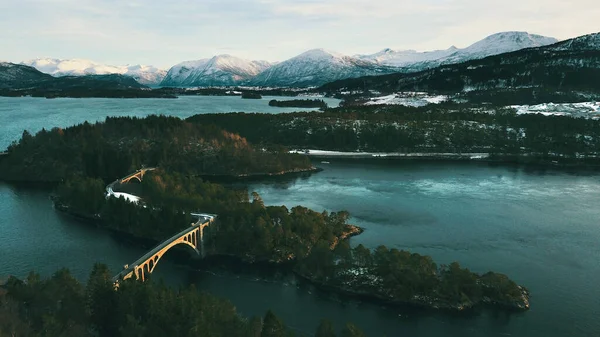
540, 227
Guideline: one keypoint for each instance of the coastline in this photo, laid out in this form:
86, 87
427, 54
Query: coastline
482, 157
423, 301
372, 295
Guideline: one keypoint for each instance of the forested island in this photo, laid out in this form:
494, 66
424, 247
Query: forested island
119, 145
436, 128
299, 103
313, 244
83, 159
251, 95
62, 306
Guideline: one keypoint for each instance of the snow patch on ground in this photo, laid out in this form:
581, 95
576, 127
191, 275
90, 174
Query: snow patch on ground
414, 99
583, 109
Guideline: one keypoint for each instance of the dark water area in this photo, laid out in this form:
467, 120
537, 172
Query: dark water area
540, 227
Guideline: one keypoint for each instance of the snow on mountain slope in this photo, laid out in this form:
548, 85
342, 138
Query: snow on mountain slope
19, 76
221, 70
180, 72
581, 43
316, 67
404, 58
498, 43
79, 67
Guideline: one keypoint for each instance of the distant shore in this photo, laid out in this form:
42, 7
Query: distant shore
519, 159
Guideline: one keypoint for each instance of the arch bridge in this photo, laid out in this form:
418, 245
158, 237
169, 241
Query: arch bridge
139, 175
145, 265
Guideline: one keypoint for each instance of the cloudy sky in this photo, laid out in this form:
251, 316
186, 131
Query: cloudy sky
165, 32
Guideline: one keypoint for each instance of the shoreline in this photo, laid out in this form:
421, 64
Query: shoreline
216, 177
475, 157
183, 257
423, 301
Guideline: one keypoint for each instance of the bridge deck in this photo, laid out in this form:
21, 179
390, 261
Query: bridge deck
203, 219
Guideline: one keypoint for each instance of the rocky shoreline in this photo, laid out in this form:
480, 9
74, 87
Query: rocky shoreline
421, 301
361, 285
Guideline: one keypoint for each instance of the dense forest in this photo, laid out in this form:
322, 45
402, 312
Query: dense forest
299, 103
398, 276
62, 306
245, 228
313, 243
251, 95
440, 128
111, 149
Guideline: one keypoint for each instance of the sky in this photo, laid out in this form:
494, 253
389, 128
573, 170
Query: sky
166, 32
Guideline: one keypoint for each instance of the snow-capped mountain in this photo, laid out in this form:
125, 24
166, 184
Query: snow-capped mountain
589, 42
221, 70
498, 43
404, 58
78, 67
17, 76
316, 67
495, 44
568, 66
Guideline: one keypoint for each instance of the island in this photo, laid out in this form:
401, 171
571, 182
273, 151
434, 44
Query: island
299, 103
119, 145
251, 95
314, 245
83, 160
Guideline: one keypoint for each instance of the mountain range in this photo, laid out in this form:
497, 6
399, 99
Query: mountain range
147, 75
568, 66
221, 70
494, 44
312, 68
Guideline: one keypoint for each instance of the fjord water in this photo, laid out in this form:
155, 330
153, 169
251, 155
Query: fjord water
539, 227
33, 114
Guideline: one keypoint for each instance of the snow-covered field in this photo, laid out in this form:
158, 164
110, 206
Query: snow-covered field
584, 109
414, 99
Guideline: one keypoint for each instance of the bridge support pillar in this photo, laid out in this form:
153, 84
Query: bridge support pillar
202, 241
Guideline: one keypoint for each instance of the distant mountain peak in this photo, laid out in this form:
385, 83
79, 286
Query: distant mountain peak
503, 42
80, 67
319, 53
219, 70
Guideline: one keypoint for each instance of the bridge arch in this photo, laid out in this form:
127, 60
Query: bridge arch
147, 267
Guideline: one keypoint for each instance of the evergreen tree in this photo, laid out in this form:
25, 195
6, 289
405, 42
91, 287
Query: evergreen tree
325, 329
272, 326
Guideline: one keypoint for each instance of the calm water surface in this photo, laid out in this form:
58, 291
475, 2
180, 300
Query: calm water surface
540, 228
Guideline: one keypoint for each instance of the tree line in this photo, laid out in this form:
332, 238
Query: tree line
119, 145
441, 128
62, 306
399, 276
311, 242
245, 227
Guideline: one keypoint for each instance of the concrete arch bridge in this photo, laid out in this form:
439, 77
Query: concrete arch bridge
192, 236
